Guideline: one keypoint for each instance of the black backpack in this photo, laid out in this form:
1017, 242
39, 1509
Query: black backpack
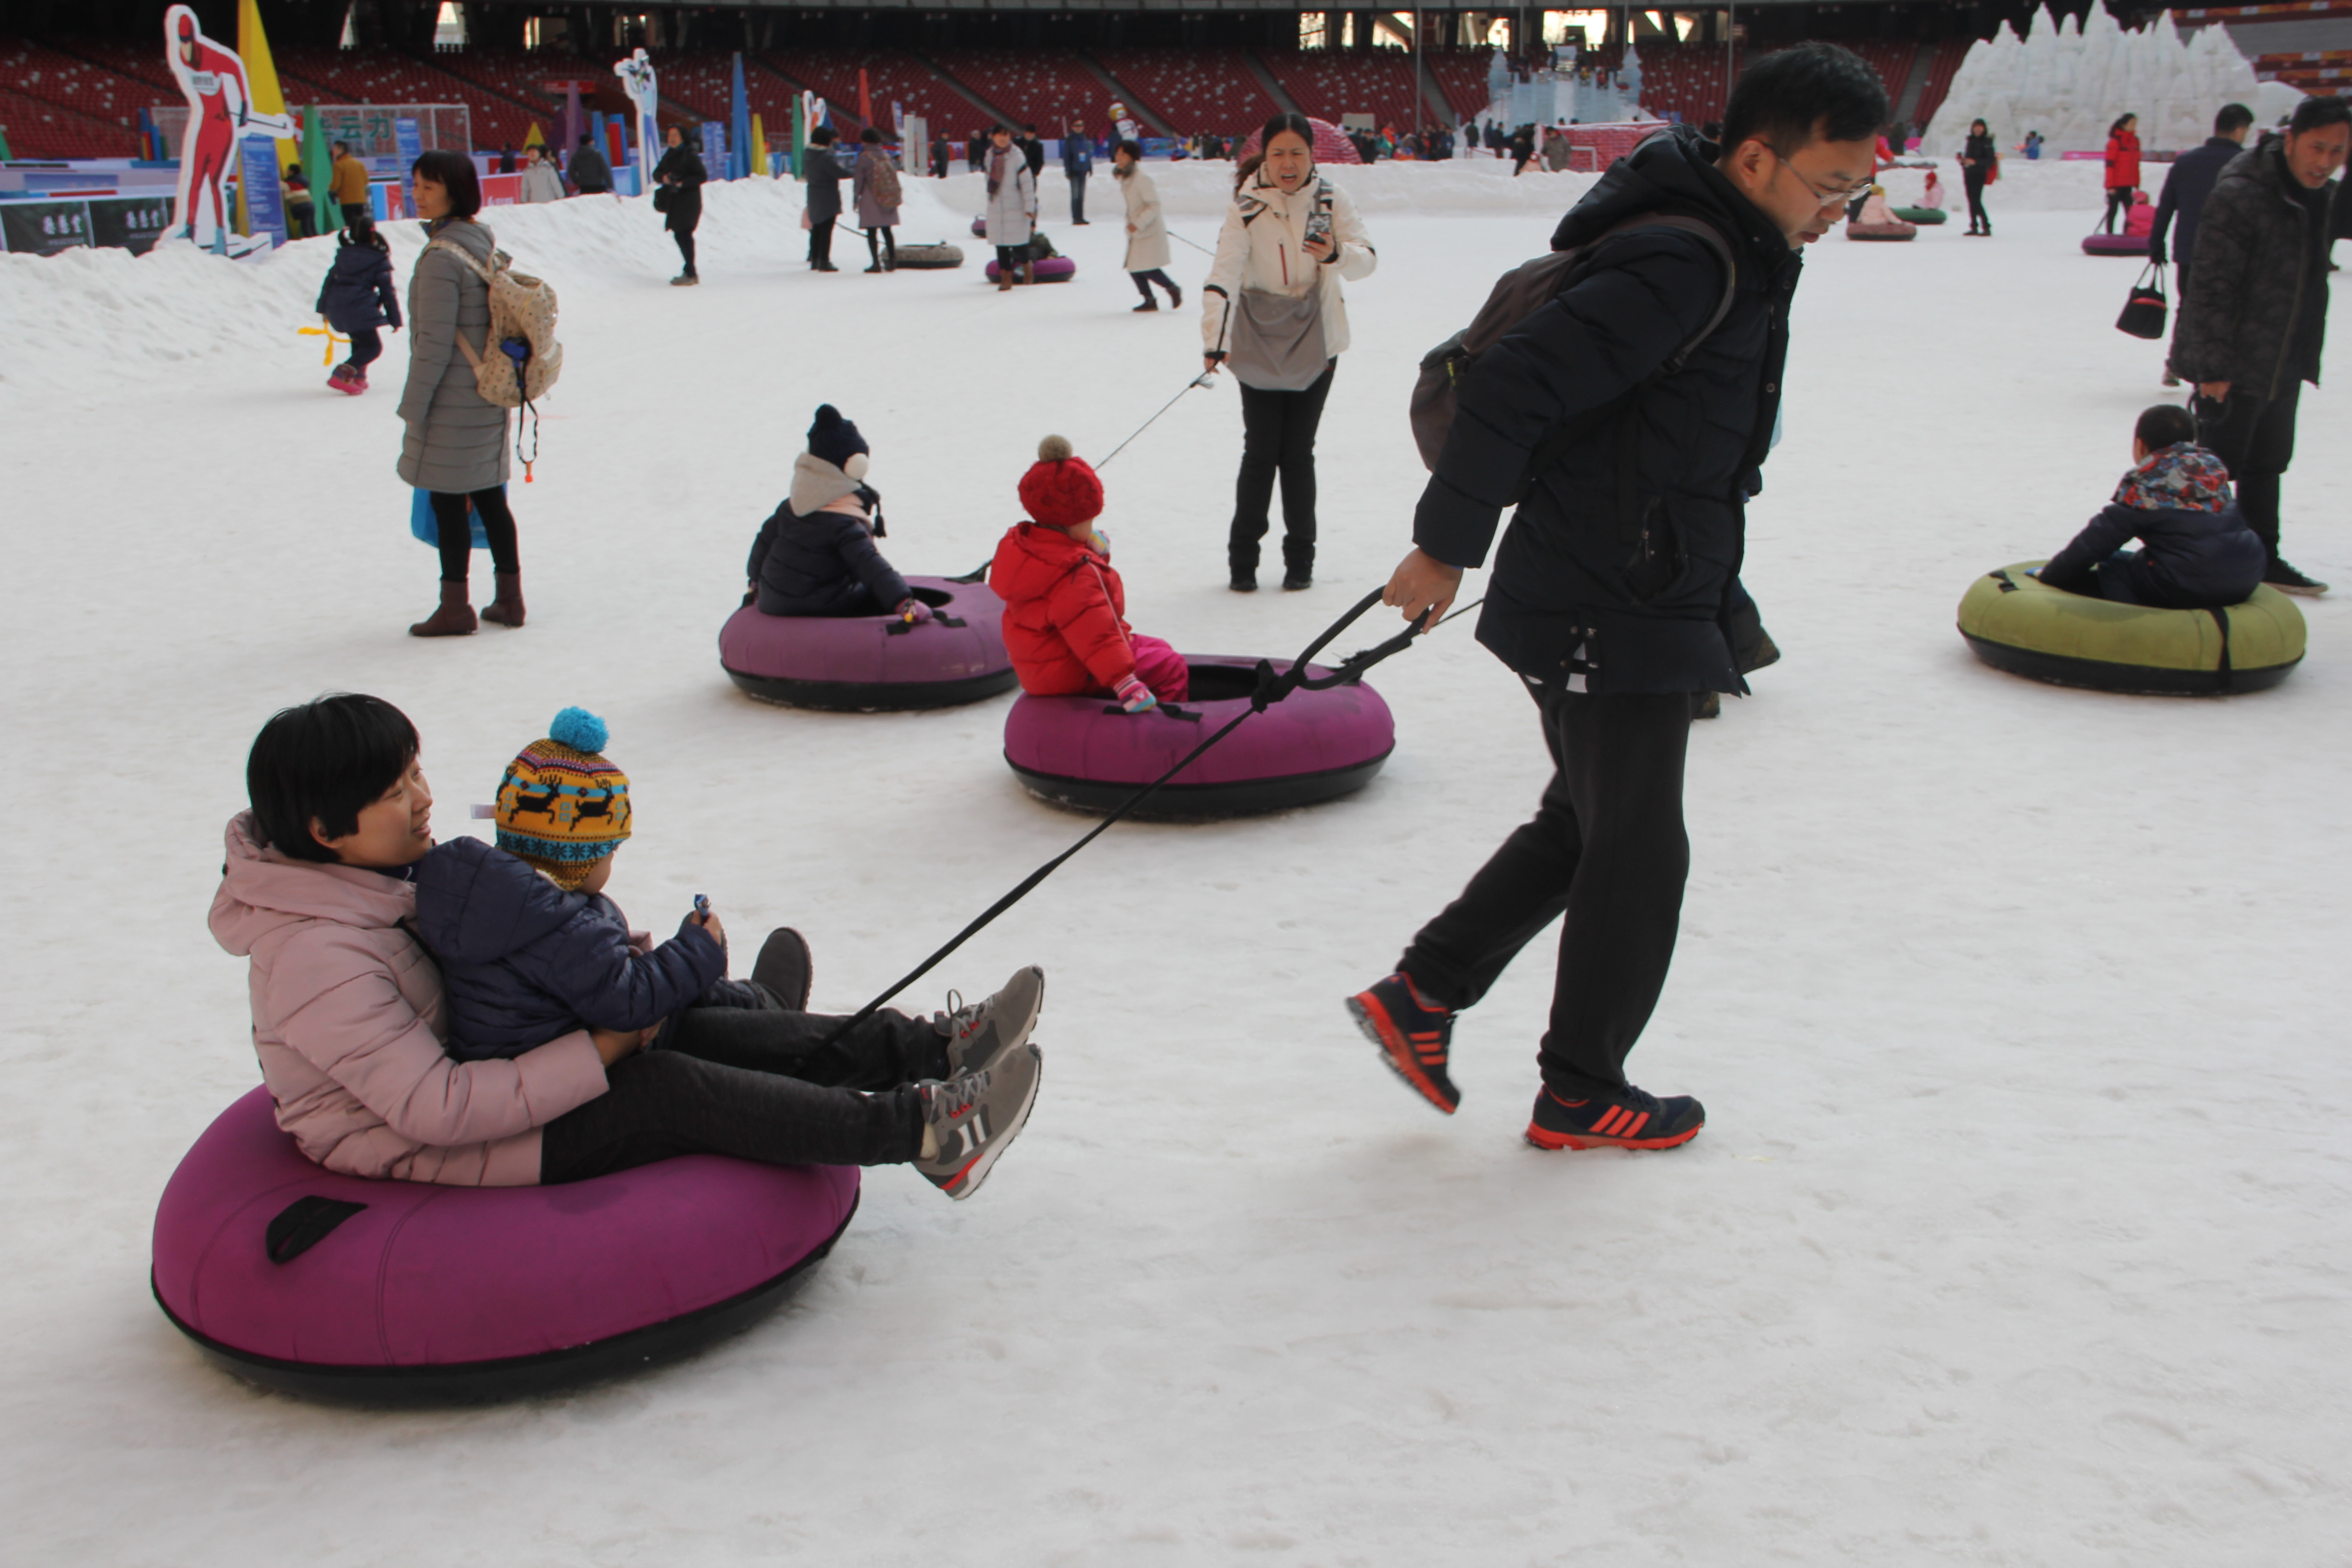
1519, 294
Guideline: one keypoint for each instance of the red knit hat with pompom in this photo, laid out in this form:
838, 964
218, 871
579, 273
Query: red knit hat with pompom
1059, 490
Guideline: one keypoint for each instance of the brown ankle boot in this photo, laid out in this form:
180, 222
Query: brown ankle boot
1004, 278
506, 610
455, 618
1028, 272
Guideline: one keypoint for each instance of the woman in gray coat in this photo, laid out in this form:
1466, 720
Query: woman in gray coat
1011, 215
875, 180
456, 444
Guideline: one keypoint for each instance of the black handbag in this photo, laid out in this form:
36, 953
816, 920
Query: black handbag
2144, 312
661, 198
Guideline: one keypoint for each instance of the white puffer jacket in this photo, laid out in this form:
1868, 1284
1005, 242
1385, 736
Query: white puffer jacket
1263, 246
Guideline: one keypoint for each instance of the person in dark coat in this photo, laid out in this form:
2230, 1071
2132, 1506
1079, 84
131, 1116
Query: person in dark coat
681, 172
1077, 163
2186, 185
2197, 549
941, 153
1979, 160
1612, 595
815, 555
824, 175
591, 175
1032, 149
2253, 316
358, 296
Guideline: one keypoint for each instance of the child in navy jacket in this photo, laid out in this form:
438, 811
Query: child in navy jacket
2196, 550
815, 555
357, 298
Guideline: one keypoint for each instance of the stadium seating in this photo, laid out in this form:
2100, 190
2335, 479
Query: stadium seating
1462, 77
1034, 87
1946, 65
1194, 90
38, 129
891, 77
1328, 83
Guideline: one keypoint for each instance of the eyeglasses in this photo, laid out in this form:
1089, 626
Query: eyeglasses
1837, 195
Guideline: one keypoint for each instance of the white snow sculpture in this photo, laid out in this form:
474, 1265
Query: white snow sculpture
2071, 80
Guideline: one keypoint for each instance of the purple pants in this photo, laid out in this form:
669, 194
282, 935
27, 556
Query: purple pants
1161, 668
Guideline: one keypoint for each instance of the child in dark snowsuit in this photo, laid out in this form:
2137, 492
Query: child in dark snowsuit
2197, 550
357, 298
1064, 608
530, 947
815, 555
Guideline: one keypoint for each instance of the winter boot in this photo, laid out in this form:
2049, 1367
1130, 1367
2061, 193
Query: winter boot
455, 618
1298, 566
346, 380
1414, 1035
1175, 298
969, 1120
1149, 304
1624, 1118
978, 1033
1028, 272
506, 609
1003, 279
785, 969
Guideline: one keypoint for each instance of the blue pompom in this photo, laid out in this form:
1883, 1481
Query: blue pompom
580, 729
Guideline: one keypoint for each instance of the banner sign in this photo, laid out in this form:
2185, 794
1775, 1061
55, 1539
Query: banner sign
265, 205
43, 228
714, 150
132, 222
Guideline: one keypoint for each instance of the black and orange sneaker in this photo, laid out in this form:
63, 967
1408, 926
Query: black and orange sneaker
1626, 1118
1413, 1036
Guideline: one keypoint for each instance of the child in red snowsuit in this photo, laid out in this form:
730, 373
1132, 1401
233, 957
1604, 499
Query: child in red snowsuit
1064, 608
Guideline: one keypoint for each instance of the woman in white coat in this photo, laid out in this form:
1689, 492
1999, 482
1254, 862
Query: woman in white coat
1290, 234
1147, 226
1012, 210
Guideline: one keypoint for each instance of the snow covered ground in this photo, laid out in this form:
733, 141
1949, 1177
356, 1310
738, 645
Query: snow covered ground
2016, 1237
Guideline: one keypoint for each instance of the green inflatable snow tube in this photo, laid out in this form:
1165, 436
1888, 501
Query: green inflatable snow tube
2019, 624
1920, 215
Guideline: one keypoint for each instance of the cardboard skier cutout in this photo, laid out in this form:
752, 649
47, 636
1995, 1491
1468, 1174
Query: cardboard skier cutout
220, 112
636, 74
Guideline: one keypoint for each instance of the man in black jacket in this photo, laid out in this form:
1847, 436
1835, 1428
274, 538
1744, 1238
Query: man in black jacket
1612, 595
2186, 187
591, 175
2253, 315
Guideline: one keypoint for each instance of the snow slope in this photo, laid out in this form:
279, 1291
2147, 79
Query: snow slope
2016, 1234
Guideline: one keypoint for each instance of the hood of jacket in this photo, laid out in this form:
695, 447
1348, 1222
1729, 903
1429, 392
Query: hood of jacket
475, 903
1031, 558
817, 484
2183, 477
1673, 171
263, 891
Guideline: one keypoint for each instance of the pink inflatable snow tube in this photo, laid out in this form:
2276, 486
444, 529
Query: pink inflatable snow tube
298, 1277
2114, 244
1053, 269
871, 663
1083, 752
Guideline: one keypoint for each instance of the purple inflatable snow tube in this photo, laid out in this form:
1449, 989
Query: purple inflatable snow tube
1083, 752
298, 1277
1053, 269
2114, 244
868, 663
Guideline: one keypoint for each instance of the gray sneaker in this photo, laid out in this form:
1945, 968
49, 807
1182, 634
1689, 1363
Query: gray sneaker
974, 1115
978, 1034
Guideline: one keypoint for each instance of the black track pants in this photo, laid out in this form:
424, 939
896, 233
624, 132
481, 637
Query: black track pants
754, 1084
1278, 432
456, 535
1606, 848
2254, 438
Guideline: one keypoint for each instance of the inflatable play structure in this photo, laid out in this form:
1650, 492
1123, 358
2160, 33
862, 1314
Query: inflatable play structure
2018, 622
2115, 245
929, 258
301, 1280
1929, 215
1877, 220
875, 663
1084, 752
1053, 269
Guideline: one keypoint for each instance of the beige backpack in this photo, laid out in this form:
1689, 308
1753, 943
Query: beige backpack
523, 324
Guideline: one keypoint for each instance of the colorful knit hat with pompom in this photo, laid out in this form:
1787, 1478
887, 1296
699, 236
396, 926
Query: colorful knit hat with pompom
561, 807
1060, 489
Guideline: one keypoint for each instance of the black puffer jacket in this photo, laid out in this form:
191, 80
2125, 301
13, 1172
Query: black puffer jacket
360, 291
823, 564
1575, 592
683, 164
2255, 311
523, 962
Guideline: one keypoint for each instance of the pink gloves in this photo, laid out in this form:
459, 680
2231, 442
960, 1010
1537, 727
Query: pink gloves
1133, 695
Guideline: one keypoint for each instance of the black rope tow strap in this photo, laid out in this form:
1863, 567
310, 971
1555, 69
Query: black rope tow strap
1200, 380
1271, 689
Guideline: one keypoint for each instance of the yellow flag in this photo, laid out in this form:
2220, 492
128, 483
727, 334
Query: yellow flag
759, 149
534, 139
254, 48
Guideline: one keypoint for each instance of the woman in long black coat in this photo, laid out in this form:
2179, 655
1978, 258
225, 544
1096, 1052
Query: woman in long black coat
680, 173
